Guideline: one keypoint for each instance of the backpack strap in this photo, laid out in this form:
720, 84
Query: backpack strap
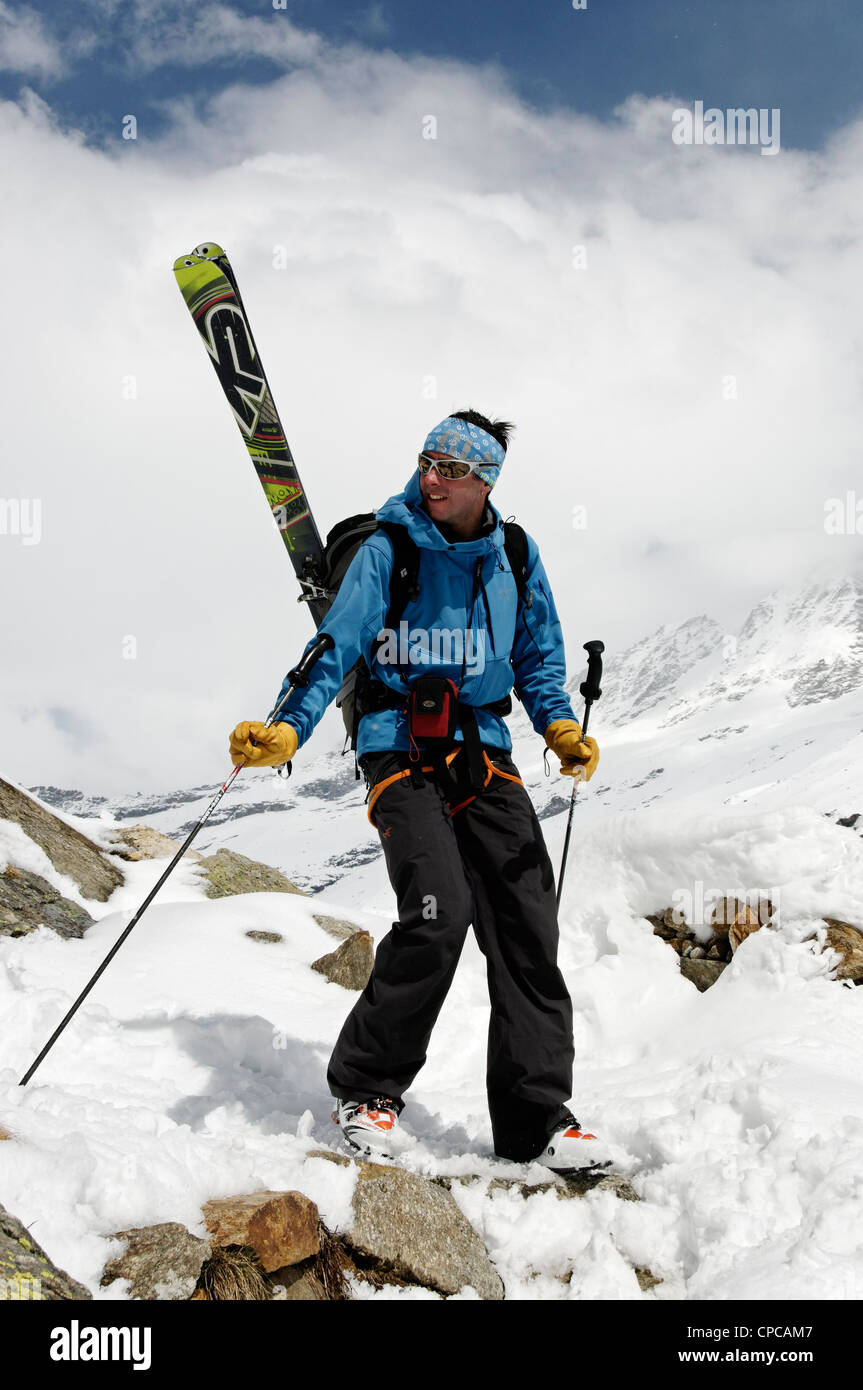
404, 581
515, 545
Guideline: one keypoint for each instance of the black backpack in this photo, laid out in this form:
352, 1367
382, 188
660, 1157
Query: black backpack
360, 693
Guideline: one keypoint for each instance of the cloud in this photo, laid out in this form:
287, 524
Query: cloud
194, 36
25, 45
673, 330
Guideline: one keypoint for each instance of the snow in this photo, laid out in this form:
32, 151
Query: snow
197, 1067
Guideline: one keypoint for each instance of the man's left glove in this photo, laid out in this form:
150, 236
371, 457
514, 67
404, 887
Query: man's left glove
578, 756
272, 747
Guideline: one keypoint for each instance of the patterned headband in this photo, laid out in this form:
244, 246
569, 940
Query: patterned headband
460, 440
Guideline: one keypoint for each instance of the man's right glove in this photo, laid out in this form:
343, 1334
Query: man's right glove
272, 747
578, 756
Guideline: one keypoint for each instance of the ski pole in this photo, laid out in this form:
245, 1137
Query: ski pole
299, 676
590, 692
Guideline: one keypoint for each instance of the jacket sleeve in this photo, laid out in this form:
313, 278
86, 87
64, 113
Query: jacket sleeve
357, 616
538, 659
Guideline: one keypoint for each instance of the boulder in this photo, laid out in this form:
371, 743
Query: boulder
702, 972
70, 852
350, 965
28, 901
272, 936
143, 842
297, 1283
281, 1227
161, 1262
745, 923
228, 873
26, 1272
848, 941
416, 1228
340, 930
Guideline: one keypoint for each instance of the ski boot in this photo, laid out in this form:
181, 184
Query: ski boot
369, 1127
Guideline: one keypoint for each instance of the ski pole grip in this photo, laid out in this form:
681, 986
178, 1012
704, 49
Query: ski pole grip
300, 674
590, 688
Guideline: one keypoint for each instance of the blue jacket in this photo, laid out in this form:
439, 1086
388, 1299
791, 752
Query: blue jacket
503, 647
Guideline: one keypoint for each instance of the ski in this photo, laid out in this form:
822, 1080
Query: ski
209, 287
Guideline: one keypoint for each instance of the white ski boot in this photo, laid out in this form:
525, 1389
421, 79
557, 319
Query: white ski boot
569, 1150
370, 1127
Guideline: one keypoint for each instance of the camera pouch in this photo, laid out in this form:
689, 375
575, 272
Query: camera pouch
433, 711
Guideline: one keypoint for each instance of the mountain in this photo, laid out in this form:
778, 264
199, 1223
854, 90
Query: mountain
691, 716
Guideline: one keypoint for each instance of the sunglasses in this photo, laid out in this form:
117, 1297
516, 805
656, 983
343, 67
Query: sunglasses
449, 469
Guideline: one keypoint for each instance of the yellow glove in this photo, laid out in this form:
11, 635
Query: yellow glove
275, 745
578, 756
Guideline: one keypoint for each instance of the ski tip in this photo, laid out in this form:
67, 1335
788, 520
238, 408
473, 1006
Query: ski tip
209, 251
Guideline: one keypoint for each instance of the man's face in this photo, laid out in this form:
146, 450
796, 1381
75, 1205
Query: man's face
455, 502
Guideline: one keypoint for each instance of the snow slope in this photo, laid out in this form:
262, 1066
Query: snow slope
197, 1069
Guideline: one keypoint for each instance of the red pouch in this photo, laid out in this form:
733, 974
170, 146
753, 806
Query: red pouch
433, 711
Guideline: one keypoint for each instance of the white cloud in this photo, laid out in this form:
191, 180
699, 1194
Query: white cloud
195, 35
407, 260
25, 45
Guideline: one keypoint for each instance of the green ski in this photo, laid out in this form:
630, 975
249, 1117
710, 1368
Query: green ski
209, 287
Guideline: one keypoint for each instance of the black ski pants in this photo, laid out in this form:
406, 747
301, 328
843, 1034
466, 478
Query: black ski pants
458, 855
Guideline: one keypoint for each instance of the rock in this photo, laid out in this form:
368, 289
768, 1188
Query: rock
848, 941
340, 930
273, 936
745, 923
567, 1188
26, 1272
702, 973
143, 842
686, 948
697, 953
850, 822
416, 1228
228, 873
4, 1134
668, 924
297, 1283
341, 1159
714, 952
647, 1279
69, 851
350, 965
729, 912
28, 901
281, 1227
162, 1262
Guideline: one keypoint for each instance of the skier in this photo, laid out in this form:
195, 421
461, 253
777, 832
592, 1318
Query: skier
461, 839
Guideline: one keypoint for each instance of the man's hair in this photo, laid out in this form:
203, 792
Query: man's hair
498, 429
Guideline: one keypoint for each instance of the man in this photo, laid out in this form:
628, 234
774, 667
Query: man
461, 839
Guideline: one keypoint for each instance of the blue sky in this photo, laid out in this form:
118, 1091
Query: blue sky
794, 54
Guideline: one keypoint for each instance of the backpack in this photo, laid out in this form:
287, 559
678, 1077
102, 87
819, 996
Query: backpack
360, 693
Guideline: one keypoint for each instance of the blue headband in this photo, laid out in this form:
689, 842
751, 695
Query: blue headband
460, 440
